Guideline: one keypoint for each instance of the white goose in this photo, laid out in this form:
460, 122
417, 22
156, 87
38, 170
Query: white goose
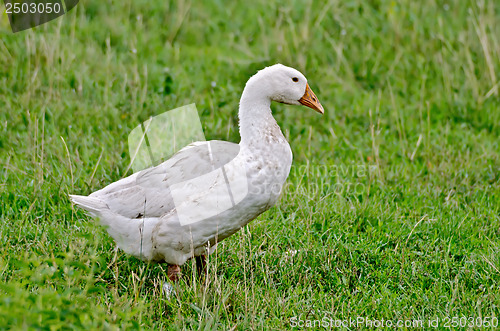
207, 191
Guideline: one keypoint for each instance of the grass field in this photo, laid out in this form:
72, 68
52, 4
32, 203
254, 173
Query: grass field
392, 205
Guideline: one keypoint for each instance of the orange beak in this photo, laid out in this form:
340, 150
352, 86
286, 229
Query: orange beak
310, 100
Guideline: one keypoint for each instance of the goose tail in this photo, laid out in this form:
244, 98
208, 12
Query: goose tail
95, 206
131, 235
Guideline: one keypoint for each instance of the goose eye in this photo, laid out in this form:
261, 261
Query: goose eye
295, 79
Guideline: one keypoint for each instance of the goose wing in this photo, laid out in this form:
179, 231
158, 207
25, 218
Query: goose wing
148, 193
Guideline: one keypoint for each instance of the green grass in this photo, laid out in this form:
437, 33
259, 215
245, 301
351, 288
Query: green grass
411, 92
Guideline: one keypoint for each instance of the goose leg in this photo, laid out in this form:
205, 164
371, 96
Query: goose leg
174, 272
201, 266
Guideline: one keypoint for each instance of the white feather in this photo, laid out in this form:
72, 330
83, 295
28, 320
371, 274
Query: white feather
147, 221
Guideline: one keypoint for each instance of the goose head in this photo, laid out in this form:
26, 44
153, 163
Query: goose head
284, 84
